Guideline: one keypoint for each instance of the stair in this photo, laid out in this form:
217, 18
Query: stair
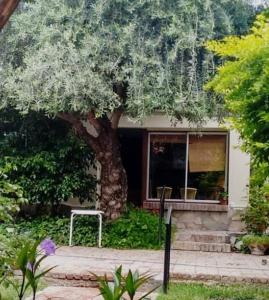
206, 241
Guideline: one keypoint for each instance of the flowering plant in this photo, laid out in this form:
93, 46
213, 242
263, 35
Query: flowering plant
28, 260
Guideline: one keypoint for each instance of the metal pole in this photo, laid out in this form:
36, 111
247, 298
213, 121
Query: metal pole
161, 214
166, 273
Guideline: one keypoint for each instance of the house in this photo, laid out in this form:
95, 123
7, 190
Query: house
197, 166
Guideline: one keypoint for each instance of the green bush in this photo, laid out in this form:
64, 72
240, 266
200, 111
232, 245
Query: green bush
262, 240
256, 216
137, 229
11, 197
45, 158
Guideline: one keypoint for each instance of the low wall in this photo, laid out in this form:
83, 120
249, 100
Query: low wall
209, 220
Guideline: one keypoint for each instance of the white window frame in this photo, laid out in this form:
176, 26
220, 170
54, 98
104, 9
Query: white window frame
187, 134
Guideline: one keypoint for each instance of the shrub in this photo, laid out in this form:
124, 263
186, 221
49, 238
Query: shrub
262, 240
11, 197
45, 158
256, 216
136, 229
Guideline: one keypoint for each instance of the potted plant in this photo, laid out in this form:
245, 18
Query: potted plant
223, 197
257, 244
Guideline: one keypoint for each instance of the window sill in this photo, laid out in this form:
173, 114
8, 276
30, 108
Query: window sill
188, 206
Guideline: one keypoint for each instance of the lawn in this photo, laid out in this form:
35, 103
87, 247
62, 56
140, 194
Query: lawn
197, 291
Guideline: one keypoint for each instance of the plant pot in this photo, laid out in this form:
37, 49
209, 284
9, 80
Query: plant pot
224, 201
258, 249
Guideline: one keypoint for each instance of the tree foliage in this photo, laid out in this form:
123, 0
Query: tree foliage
11, 197
44, 158
100, 55
243, 80
90, 61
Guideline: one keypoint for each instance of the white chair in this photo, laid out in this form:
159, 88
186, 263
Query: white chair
85, 212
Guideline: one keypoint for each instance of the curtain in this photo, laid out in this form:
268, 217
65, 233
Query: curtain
207, 153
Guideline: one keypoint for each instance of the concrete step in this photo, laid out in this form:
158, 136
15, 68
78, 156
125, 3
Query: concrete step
219, 237
199, 246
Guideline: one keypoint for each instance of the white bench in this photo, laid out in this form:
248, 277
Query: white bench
86, 212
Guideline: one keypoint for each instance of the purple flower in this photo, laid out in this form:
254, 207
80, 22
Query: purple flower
48, 246
30, 266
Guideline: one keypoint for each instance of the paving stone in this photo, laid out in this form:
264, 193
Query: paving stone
70, 293
74, 265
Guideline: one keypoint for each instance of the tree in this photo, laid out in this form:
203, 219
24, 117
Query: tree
89, 61
243, 81
7, 8
44, 158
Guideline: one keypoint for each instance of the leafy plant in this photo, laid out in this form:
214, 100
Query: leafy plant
28, 261
44, 158
109, 290
259, 240
256, 216
243, 83
136, 229
11, 197
123, 285
133, 281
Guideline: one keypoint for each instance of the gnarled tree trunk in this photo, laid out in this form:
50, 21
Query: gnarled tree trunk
113, 179
7, 7
103, 140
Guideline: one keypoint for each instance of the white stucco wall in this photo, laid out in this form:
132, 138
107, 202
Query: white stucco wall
159, 121
239, 173
238, 163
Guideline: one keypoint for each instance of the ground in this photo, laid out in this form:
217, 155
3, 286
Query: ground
75, 264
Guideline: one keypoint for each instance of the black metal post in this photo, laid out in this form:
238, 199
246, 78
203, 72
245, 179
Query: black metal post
166, 273
161, 214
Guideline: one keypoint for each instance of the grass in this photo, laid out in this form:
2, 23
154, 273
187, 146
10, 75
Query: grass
7, 293
197, 291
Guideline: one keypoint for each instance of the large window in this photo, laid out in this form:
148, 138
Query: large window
190, 166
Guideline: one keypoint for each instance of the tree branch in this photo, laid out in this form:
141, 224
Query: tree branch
94, 122
80, 129
7, 7
115, 118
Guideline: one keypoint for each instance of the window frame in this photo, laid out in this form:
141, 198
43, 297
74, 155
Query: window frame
187, 134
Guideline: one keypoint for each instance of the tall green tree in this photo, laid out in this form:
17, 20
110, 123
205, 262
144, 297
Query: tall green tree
89, 61
243, 81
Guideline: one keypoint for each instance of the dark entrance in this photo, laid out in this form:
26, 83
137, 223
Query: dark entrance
131, 152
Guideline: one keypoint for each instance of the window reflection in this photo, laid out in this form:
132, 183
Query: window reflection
167, 165
206, 176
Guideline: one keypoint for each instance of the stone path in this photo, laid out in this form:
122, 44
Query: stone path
75, 264
72, 278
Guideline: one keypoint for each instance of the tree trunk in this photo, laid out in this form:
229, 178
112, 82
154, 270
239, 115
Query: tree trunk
113, 179
106, 146
7, 7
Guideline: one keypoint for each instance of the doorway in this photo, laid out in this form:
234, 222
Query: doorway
131, 152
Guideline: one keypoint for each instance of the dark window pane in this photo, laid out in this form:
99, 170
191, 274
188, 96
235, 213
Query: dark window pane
167, 165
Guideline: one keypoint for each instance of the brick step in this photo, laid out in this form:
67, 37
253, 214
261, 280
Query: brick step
198, 246
219, 237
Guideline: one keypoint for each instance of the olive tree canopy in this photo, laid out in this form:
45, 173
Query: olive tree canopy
91, 61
